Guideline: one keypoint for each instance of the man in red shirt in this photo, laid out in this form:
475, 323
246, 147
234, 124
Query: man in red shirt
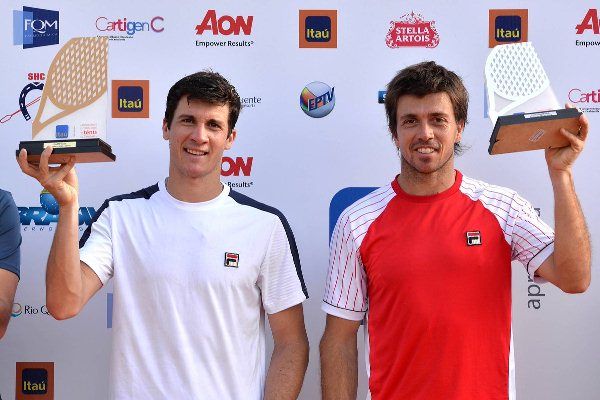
426, 260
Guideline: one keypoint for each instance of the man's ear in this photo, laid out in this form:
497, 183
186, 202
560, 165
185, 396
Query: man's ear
165, 129
230, 139
459, 132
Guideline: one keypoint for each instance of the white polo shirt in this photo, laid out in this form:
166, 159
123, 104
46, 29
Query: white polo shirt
192, 283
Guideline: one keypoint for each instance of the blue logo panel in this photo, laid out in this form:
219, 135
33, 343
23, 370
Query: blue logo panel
35, 27
318, 29
131, 99
508, 28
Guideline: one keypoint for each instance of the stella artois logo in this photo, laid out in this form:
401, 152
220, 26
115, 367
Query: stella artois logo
412, 31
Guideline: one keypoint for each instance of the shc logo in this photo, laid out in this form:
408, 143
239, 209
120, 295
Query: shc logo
317, 99
130, 99
225, 25
40, 217
318, 29
412, 31
34, 380
35, 27
381, 96
507, 26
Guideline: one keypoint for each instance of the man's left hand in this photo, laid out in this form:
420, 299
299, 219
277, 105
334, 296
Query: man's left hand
563, 158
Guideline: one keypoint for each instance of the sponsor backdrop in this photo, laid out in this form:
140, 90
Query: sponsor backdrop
312, 134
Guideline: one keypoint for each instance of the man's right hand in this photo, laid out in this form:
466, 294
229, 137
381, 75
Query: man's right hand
61, 181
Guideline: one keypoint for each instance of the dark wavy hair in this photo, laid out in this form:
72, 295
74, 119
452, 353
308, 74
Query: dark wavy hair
206, 86
423, 79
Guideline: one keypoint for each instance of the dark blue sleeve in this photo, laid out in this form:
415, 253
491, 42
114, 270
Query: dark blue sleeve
10, 234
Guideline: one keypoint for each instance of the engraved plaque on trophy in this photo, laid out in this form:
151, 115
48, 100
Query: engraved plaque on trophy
74, 105
521, 104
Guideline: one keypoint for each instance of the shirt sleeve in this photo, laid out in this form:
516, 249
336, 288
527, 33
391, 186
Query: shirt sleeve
280, 279
95, 247
10, 235
532, 239
345, 288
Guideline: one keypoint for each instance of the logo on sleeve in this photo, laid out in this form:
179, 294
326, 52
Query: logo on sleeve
473, 238
232, 260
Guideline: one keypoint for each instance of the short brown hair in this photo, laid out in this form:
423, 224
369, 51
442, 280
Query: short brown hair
423, 79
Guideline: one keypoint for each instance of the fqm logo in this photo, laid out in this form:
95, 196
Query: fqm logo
229, 166
225, 25
317, 99
507, 26
40, 218
35, 27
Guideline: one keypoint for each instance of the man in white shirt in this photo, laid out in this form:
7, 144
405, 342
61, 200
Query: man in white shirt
196, 265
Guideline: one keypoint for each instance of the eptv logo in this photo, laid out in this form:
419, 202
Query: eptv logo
130, 99
242, 166
225, 25
34, 380
317, 29
35, 27
507, 26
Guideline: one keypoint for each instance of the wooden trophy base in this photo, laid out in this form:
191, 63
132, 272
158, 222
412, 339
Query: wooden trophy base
533, 131
84, 150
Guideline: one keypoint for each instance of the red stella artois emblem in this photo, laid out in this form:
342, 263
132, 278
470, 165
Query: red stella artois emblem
412, 30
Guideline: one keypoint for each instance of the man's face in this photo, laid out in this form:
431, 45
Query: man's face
426, 131
197, 138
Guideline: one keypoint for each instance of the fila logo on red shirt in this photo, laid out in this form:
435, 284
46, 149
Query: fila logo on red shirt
473, 238
232, 259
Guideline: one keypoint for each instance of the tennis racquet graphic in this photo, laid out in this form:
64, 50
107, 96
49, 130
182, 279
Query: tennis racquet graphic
77, 78
516, 81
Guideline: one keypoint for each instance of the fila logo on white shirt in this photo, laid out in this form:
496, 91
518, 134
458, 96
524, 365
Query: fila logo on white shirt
232, 259
473, 238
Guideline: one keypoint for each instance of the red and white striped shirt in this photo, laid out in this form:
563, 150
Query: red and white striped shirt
431, 276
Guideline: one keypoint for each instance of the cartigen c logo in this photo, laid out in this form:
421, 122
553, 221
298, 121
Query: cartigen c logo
17, 310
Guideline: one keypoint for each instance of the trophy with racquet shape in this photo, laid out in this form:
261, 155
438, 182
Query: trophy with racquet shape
521, 104
74, 106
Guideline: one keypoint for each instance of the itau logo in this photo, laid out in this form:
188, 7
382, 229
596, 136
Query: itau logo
35, 27
130, 99
507, 26
317, 29
317, 99
412, 30
34, 380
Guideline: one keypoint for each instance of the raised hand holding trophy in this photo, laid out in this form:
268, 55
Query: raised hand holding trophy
522, 106
73, 109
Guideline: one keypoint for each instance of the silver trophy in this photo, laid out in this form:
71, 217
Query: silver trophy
521, 103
